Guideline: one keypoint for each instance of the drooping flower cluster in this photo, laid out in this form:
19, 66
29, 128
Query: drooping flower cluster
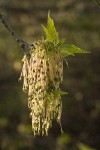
42, 74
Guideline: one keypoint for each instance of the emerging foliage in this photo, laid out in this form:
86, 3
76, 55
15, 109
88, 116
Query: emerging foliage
67, 50
52, 36
84, 147
50, 31
60, 92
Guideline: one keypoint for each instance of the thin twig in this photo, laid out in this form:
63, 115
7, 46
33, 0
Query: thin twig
97, 2
23, 44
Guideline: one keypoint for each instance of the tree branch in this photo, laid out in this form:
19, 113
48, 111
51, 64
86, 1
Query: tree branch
97, 2
23, 44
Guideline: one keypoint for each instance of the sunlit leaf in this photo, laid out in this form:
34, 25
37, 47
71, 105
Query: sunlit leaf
50, 31
84, 147
58, 92
71, 50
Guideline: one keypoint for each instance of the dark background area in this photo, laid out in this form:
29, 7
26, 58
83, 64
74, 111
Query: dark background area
78, 22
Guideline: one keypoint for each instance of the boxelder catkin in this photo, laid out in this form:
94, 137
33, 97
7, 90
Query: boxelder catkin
42, 74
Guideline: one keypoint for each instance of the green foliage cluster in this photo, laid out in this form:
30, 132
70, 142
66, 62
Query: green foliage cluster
52, 36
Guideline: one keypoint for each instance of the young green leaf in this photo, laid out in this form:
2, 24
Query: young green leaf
50, 31
58, 92
71, 50
84, 147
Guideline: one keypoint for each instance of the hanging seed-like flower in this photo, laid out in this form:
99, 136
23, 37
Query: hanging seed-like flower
42, 74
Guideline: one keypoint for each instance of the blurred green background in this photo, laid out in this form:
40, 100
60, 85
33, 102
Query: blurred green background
78, 22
